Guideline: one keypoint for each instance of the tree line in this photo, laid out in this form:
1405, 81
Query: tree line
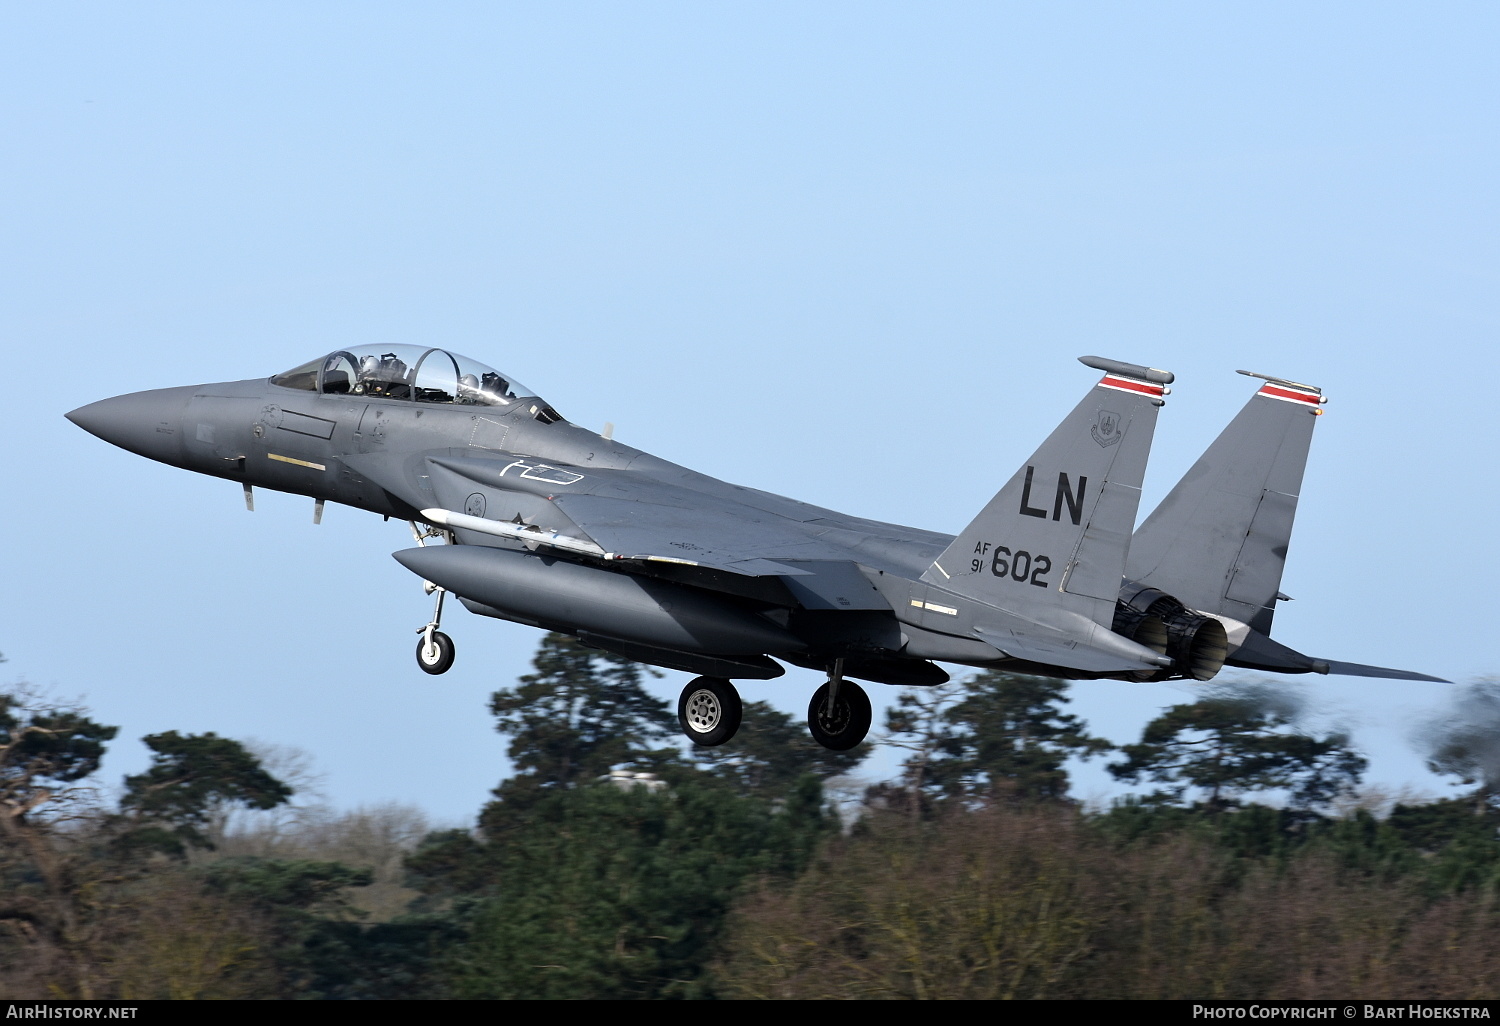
612, 863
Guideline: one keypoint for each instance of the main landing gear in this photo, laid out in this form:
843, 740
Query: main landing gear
709, 711
838, 716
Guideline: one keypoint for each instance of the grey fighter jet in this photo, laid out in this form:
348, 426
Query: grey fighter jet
549, 524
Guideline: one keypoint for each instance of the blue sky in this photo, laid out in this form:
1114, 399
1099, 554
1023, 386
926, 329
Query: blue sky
844, 252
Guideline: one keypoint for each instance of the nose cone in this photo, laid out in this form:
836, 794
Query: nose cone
147, 423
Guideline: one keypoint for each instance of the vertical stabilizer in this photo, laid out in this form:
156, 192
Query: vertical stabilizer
1055, 537
1218, 541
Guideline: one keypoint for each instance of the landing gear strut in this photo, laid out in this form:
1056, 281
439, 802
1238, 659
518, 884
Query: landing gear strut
709, 710
838, 717
435, 651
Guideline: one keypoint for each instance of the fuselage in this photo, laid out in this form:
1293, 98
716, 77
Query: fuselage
258, 433
374, 453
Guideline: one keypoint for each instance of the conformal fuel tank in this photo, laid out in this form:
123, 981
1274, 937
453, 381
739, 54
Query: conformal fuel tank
546, 590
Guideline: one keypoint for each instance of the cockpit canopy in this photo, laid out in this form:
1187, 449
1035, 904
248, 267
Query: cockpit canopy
413, 373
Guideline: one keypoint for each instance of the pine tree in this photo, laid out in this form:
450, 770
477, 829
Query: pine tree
581, 713
995, 735
192, 775
1466, 744
1235, 740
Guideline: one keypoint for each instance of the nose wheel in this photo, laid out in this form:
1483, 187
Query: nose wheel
435, 652
709, 710
435, 649
838, 717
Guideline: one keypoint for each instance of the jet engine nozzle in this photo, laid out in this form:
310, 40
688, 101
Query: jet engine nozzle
1196, 643
1143, 629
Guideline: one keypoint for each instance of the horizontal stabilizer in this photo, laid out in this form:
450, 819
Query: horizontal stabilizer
1259, 652
1361, 670
1256, 651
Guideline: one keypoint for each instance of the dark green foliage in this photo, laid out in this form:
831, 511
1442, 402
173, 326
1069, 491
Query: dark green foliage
46, 747
1435, 825
189, 775
1459, 844
290, 887
1466, 743
449, 863
581, 713
994, 735
385, 961
1015, 737
1236, 741
1363, 845
799, 827
312, 937
621, 893
771, 752
1242, 836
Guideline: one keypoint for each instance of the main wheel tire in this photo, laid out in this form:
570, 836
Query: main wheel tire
437, 657
850, 721
709, 710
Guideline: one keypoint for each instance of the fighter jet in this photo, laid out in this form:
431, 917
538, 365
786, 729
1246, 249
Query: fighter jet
549, 524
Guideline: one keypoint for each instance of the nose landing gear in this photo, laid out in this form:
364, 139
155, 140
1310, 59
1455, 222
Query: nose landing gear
435, 650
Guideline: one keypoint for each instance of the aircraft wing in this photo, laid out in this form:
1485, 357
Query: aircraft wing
605, 513
712, 534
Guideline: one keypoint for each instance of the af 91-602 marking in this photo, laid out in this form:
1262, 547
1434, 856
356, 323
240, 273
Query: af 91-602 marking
1020, 566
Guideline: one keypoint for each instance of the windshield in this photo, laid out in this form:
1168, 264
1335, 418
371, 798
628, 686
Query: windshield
414, 373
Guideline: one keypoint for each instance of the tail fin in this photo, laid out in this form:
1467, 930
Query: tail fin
1056, 535
1218, 540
